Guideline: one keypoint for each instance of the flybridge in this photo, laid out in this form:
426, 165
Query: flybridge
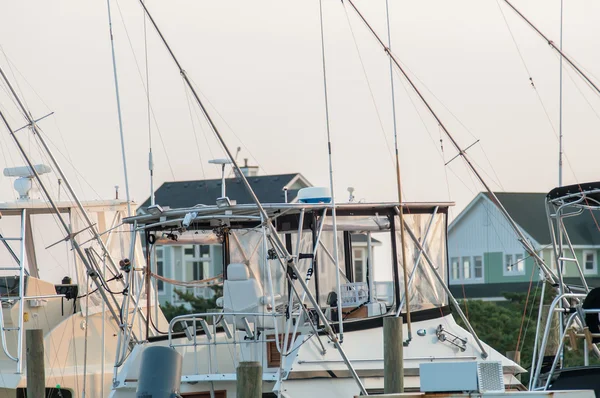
247, 215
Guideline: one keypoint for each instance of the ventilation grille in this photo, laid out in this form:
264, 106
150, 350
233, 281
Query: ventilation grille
489, 377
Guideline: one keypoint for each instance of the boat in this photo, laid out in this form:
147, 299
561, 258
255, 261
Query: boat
86, 316
50, 289
265, 316
572, 209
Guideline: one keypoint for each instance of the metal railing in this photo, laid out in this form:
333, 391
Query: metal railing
225, 339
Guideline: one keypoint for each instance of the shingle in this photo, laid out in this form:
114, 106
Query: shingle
268, 189
529, 211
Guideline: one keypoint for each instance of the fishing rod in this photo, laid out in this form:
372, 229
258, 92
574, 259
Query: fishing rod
290, 260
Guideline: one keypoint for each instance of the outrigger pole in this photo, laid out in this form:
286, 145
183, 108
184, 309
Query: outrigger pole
70, 236
289, 259
461, 152
555, 47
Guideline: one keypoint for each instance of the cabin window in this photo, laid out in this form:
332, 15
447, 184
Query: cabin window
455, 268
50, 393
589, 261
358, 258
160, 268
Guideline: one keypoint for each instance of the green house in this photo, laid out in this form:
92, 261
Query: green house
485, 259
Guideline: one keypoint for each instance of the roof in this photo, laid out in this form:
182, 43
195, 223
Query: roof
362, 238
529, 212
248, 215
268, 189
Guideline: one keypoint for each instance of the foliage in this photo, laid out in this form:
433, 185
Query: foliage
196, 305
507, 326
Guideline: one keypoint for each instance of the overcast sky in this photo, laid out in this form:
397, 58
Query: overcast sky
258, 63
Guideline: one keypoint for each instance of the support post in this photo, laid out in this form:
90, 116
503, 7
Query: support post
393, 361
249, 380
515, 356
36, 377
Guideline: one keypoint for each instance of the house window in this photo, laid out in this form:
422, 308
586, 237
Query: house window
466, 267
589, 262
478, 267
455, 264
160, 268
514, 264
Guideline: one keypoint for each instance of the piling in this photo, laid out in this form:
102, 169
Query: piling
36, 374
249, 380
393, 361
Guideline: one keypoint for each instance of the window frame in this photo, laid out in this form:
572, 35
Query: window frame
515, 271
594, 269
160, 285
460, 262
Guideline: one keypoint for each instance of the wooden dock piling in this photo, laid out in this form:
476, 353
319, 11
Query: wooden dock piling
393, 361
36, 374
249, 380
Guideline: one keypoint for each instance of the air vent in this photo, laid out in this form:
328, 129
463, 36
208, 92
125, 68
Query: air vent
489, 377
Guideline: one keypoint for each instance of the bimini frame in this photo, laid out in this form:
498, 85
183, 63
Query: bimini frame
562, 204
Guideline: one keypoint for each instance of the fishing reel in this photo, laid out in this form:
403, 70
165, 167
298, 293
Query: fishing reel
125, 265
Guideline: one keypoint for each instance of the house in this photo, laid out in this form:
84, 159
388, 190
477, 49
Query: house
486, 259
188, 262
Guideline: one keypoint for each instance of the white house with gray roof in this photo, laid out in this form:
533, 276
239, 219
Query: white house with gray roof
486, 259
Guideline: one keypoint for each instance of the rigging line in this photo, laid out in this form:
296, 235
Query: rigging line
67, 158
525, 308
160, 136
497, 178
214, 108
526, 243
530, 314
10, 68
400, 203
362, 64
512, 36
582, 94
199, 121
331, 185
119, 113
435, 144
188, 100
551, 44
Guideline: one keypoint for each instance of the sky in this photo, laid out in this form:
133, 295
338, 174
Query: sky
258, 67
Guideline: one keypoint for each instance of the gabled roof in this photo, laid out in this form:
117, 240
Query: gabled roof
529, 212
268, 189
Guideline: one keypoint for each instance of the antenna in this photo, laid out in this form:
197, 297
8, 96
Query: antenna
120, 117
351, 194
560, 101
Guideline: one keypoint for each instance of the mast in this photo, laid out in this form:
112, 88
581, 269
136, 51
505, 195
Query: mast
276, 239
560, 101
399, 187
333, 215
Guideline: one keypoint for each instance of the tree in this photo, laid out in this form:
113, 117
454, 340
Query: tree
197, 305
